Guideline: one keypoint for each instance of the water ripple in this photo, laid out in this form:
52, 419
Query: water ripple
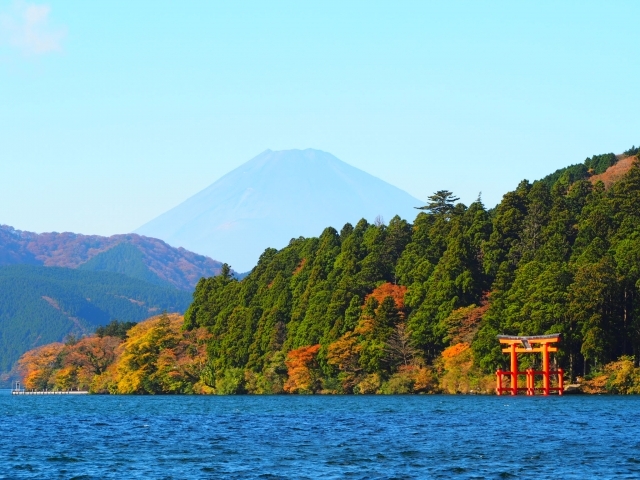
283, 437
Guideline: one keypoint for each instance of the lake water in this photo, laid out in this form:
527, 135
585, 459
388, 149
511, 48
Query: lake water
319, 437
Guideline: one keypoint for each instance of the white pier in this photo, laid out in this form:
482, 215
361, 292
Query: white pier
17, 390
49, 392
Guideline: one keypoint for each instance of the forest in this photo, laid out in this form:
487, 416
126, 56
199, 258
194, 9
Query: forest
404, 307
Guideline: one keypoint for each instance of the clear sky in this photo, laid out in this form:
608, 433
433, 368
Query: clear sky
112, 112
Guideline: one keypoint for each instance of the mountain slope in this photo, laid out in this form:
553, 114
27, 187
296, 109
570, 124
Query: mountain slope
272, 198
39, 304
126, 259
144, 258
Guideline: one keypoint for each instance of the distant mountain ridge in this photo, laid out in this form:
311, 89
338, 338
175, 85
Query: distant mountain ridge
140, 257
272, 198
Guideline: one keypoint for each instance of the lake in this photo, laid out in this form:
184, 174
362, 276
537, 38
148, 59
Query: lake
296, 437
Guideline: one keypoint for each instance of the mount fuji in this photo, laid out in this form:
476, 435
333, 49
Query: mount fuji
272, 198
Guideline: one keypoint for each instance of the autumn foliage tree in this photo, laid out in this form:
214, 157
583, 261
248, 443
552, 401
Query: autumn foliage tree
159, 357
156, 357
37, 366
344, 355
302, 369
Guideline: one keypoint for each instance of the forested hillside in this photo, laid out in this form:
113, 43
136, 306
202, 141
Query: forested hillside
124, 258
365, 308
39, 305
410, 307
144, 258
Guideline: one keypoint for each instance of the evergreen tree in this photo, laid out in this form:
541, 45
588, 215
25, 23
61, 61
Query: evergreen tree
441, 203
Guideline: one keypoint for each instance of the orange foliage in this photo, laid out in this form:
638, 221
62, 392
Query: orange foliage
343, 353
397, 292
424, 380
93, 354
302, 370
65, 367
37, 365
597, 385
619, 377
455, 350
189, 355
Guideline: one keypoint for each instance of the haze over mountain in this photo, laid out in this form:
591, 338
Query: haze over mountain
272, 198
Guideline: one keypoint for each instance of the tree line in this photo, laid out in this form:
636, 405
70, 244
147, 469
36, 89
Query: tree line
415, 307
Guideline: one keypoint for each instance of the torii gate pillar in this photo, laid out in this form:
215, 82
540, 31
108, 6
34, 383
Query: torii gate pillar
514, 369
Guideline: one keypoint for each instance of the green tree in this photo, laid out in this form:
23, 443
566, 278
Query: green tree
441, 203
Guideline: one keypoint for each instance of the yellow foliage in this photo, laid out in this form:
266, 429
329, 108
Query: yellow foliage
459, 374
344, 354
158, 357
202, 389
411, 379
619, 377
369, 384
105, 382
365, 326
65, 378
423, 379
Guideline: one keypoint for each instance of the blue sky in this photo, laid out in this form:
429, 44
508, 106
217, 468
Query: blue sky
112, 112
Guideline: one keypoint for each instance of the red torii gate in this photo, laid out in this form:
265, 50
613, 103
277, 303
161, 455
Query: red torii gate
518, 345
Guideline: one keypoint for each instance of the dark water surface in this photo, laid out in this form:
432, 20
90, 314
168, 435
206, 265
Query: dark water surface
319, 437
